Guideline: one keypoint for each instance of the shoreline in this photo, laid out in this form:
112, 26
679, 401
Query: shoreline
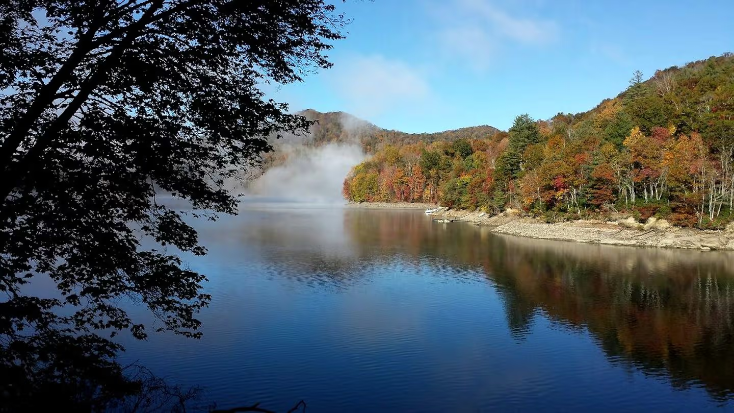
390, 205
625, 232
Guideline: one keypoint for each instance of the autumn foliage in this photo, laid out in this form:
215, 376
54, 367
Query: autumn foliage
663, 147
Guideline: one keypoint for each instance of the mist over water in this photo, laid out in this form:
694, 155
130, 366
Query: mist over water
310, 175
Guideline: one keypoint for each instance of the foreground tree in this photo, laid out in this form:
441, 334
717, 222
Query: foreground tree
103, 105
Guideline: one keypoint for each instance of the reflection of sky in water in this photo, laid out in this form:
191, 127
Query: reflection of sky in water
356, 310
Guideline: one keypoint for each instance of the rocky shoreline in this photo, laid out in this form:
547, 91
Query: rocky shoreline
626, 231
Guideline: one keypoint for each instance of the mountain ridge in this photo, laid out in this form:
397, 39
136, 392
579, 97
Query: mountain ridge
343, 127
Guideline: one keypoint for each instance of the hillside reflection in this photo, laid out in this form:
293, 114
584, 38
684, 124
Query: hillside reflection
667, 312
664, 311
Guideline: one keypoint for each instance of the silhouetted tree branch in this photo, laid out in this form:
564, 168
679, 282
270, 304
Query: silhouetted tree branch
104, 104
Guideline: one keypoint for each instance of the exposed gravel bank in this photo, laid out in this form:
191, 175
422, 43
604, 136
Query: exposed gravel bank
653, 233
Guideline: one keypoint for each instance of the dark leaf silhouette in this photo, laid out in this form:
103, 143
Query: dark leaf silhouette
105, 105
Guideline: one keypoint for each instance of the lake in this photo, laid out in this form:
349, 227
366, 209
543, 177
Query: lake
384, 310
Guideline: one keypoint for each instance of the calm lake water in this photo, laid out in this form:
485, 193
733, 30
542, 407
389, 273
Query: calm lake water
375, 310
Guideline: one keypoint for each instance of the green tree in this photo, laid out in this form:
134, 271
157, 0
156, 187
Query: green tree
524, 132
104, 105
462, 148
431, 164
507, 167
636, 86
637, 78
618, 129
649, 111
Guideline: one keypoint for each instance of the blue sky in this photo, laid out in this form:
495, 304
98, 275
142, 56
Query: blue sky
432, 65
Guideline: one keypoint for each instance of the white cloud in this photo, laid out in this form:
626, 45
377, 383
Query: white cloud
475, 30
523, 30
373, 85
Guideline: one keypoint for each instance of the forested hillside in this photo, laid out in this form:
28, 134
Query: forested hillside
340, 127
343, 128
662, 147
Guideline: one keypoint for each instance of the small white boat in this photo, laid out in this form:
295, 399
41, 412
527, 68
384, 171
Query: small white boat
431, 211
443, 220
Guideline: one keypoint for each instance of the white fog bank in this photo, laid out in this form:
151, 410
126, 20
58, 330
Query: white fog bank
310, 175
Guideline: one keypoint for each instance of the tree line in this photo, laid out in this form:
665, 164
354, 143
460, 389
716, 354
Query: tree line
663, 147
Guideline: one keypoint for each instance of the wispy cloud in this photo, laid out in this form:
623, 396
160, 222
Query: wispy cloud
373, 85
475, 30
523, 30
472, 43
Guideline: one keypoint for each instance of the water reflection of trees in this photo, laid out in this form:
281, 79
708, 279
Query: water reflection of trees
667, 312
664, 311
